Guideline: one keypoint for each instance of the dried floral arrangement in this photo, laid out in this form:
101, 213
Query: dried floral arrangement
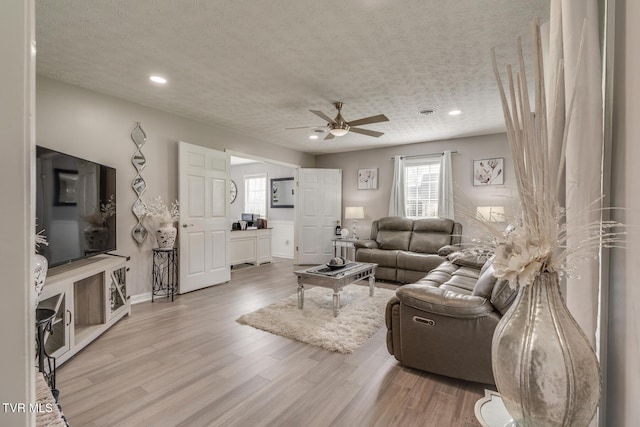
158, 214
101, 214
536, 241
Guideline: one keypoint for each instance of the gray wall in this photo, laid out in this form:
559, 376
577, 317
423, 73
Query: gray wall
17, 315
468, 196
97, 127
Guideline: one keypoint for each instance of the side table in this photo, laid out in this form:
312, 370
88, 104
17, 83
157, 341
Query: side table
490, 411
165, 272
342, 246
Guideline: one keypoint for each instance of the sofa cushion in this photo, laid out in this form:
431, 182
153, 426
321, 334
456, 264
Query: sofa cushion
417, 262
394, 233
430, 234
378, 256
443, 302
484, 285
468, 259
502, 296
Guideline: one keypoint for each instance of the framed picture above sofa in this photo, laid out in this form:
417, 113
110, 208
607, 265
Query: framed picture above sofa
488, 171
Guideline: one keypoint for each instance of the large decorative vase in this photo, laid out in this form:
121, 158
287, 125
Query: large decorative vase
40, 267
545, 369
166, 236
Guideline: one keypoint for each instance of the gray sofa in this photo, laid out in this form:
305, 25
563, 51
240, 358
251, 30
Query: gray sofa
444, 323
405, 249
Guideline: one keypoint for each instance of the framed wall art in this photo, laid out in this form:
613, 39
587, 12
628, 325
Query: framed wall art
282, 192
368, 179
488, 171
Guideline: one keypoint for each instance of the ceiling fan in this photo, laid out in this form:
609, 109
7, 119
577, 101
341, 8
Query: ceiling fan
340, 127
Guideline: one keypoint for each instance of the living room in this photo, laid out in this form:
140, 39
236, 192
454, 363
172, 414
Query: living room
92, 125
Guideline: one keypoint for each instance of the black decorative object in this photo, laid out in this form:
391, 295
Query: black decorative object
165, 272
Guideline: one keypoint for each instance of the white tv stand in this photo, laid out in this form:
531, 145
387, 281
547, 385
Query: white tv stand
89, 296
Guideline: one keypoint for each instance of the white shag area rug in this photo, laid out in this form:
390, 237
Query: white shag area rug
359, 317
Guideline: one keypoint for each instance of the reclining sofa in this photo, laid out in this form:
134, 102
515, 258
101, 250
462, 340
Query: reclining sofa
444, 322
405, 249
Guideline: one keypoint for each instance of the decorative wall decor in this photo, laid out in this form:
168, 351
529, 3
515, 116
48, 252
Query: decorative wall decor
488, 171
282, 192
139, 232
368, 179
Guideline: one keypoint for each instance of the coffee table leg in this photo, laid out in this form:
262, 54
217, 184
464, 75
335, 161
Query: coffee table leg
372, 281
336, 303
300, 296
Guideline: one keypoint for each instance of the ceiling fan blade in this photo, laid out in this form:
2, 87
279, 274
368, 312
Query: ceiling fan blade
323, 116
329, 136
368, 120
367, 132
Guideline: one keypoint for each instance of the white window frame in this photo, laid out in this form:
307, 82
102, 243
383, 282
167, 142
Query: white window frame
249, 203
429, 200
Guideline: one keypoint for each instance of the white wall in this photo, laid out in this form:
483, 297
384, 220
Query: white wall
17, 299
97, 127
376, 202
623, 367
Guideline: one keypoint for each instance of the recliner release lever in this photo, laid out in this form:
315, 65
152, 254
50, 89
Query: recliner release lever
424, 321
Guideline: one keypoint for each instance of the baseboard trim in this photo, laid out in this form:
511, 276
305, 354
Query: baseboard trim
137, 299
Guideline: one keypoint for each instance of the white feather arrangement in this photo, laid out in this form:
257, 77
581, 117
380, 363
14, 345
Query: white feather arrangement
537, 240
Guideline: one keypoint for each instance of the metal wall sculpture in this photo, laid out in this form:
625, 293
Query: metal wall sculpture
138, 184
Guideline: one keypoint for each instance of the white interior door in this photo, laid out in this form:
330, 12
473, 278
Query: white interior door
204, 211
318, 209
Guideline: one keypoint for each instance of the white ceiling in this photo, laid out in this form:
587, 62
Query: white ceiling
259, 66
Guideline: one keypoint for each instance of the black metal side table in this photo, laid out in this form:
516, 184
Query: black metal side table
165, 272
44, 316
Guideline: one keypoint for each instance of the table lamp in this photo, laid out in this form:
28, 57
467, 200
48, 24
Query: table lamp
355, 213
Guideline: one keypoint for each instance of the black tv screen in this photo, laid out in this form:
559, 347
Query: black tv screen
75, 206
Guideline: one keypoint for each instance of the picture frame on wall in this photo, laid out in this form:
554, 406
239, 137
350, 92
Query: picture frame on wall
488, 171
368, 179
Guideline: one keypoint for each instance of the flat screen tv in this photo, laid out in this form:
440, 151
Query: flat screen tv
75, 206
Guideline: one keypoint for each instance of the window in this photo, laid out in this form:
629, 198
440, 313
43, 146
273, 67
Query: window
421, 187
255, 194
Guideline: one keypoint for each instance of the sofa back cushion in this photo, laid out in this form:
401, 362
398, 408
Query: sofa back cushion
430, 234
486, 282
394, 233
503, 296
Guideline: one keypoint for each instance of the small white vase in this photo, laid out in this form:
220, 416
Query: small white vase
545, 369
166, 236
40, 267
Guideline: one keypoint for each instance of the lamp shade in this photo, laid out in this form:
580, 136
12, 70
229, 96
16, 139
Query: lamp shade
354, 212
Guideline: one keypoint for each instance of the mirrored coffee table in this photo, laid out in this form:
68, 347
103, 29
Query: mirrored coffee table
323, 276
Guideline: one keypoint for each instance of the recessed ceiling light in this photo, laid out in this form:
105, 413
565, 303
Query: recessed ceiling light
454, 112
313, 136
158, 79
427, 112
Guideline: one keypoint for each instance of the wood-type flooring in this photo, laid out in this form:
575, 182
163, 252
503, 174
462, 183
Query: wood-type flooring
189, 363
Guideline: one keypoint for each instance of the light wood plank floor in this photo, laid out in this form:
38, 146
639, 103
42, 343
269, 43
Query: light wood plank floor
189, 363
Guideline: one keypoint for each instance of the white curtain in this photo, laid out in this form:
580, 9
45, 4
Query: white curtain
445, 190
397, 199
584, 141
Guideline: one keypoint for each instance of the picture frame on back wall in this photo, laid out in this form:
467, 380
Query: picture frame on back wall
368, 179
488, 171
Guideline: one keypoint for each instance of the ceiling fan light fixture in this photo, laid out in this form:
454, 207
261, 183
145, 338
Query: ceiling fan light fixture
339, 129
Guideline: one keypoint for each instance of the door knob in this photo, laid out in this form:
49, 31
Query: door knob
187, 225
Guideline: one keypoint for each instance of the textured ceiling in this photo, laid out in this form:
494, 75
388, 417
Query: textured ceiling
259, 66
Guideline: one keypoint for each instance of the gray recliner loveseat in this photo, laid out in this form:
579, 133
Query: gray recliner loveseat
405, 249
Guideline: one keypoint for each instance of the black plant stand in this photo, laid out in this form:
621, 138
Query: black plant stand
46, 363
165, 272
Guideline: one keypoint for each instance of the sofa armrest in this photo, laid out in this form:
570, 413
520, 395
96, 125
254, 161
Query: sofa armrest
448, 250
443, 302
368, 244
